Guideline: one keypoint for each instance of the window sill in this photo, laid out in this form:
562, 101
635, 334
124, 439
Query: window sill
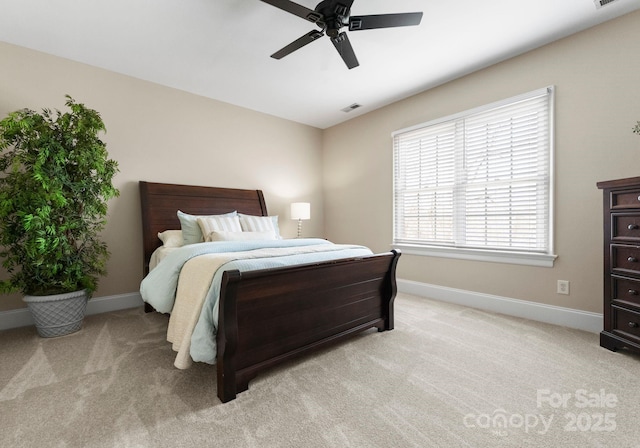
495, 256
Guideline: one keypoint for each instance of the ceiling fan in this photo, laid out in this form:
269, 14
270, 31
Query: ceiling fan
330, 16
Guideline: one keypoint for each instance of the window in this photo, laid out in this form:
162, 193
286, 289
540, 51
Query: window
478, 184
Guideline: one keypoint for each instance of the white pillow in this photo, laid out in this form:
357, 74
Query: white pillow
191, 230
240, 236
219, 224
171, 238
253, 223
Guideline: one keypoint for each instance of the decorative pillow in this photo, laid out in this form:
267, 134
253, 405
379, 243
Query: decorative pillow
219, 224
252, 223
171, 238
240, 236
191, 230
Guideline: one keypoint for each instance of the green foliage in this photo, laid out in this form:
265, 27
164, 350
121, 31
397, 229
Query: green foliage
636, 129
55, 181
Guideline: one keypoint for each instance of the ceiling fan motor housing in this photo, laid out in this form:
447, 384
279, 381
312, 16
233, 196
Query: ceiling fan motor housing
330, 8
335, 16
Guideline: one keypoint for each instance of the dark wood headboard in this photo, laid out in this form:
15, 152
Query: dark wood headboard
161, 202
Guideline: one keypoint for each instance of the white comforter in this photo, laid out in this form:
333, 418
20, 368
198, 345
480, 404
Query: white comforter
187, 284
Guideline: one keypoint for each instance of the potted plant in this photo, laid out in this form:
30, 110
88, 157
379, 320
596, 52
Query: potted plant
55, 180
636, 128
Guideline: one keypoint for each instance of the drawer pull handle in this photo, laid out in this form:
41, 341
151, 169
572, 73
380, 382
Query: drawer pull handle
632, 226
633, 324
633, 292
632, 259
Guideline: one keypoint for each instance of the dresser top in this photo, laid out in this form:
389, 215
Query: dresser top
619, 183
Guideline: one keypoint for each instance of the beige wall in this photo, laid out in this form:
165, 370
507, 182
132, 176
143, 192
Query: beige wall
597, 79
166, 135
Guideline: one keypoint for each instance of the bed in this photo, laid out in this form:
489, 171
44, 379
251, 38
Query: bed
268, 316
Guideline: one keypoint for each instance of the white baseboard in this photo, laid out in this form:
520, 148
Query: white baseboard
567, 317
22, 317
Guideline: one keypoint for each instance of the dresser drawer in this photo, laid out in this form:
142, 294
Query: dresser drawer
625, 226
625, 291
625, 199
626, 323
625, 259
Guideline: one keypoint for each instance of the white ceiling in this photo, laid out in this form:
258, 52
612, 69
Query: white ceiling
220, 48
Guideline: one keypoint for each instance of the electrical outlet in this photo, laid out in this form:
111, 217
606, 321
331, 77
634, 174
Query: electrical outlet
563, 287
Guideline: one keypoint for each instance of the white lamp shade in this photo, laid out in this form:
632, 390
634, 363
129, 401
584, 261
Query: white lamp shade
300, 210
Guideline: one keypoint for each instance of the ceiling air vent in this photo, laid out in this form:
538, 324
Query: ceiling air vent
354, 106
601, 3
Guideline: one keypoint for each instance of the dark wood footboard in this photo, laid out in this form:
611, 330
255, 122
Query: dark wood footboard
269, 316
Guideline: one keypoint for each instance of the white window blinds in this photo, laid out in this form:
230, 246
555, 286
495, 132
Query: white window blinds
480, 179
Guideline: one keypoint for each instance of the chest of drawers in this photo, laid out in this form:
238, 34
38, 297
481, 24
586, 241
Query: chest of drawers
621, 208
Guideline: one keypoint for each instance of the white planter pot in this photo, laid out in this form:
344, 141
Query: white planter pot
59, 314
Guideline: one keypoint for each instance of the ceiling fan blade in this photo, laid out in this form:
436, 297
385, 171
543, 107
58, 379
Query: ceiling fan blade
342, 44
297, 44
357, 23
296, 9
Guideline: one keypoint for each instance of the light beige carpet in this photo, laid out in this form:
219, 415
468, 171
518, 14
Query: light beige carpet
447, 376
